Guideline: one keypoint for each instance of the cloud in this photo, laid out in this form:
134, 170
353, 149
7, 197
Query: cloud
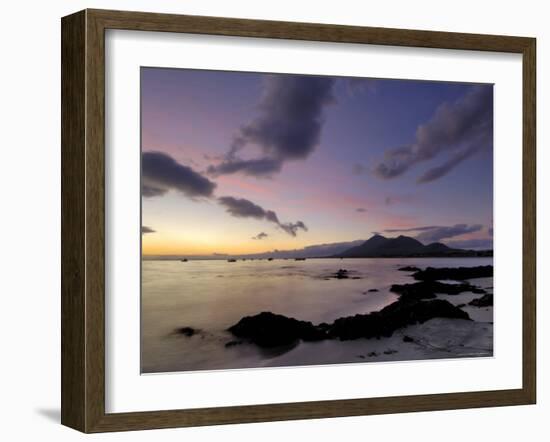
243, 208
439, 171
145, 229
413, 229
479, 244
437, 233
361, 210
151, 191
458, 129
161, 173
286, 128
260, 235
292, 228
257, 167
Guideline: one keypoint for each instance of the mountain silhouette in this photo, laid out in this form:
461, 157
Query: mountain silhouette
404, 246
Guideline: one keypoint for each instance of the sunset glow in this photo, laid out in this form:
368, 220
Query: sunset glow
240, 163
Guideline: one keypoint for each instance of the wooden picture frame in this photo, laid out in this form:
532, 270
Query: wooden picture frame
83, 220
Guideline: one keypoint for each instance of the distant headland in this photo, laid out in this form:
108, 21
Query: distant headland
404, 247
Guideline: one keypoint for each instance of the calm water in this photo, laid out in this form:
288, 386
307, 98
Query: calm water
213, 295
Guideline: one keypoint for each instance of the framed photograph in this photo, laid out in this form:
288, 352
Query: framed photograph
268, 221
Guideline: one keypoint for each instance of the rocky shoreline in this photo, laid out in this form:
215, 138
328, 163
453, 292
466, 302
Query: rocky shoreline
416, 305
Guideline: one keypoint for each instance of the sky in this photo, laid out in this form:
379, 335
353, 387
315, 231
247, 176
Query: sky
238, 162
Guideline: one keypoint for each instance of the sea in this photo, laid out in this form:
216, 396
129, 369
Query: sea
211, 295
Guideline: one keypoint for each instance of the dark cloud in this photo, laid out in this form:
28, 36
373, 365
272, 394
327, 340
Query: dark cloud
292, 228
260, 235
287, 127
458, 129
437, 233
243, 208
151, 191
413, 229
145, 229
161, 173
361, 210
437, 172
478, 244
257, 167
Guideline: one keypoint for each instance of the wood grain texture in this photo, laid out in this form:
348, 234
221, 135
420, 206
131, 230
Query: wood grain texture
83, 220
529, 221
144, 21
95, 222
73, 253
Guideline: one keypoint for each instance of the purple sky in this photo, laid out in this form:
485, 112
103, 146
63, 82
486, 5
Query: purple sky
305, 160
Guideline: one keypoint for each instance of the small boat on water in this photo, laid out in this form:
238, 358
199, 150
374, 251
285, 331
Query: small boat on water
231, 260
299, 259
270, 259
184, 260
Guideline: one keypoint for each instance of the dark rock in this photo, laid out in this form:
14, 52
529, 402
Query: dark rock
390, 351
372, 354
409, 269
428, 289
187, 331
372, 290
393, 317
232, 343
271, 330
407, 339
457, 273
478, 291
484, 301
341, 274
